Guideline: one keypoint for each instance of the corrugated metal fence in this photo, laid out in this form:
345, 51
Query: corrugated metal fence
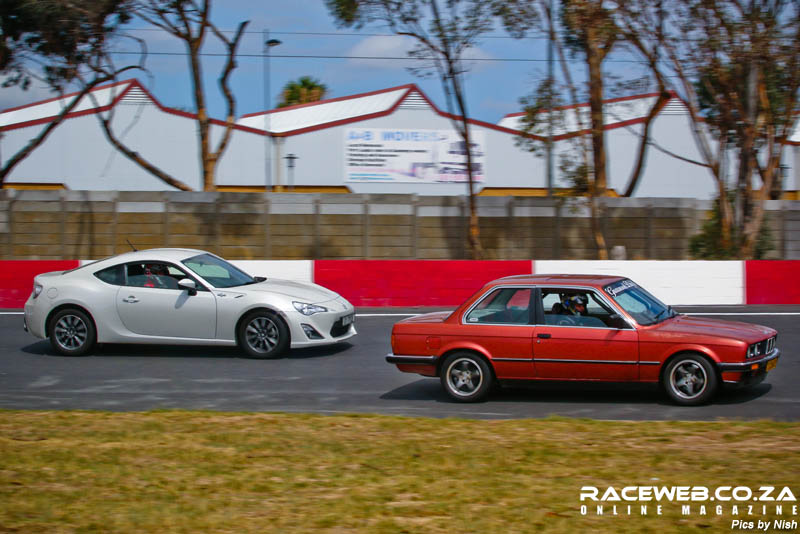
84, 224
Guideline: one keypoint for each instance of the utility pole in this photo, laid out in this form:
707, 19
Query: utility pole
551, 87
268, 44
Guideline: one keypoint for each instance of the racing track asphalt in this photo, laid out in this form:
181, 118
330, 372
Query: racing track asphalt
352, 378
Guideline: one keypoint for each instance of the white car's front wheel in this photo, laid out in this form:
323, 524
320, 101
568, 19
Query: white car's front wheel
262, 334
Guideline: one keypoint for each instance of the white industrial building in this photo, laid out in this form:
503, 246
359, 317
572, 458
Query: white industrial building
388, 141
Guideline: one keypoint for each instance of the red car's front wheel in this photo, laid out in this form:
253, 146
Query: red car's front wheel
690, 380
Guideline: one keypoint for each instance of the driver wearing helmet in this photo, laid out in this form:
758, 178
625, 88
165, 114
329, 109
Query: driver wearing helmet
575, 305
153, 272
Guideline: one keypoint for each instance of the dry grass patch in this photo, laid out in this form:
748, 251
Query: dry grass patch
210, 472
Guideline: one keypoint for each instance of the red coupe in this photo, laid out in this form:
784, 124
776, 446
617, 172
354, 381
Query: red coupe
579, 327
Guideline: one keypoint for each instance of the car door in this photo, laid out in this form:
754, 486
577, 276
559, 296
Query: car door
502, 324
595, 345
151, 304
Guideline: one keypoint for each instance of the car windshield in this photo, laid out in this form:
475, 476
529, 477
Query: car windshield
218, 272
641, 305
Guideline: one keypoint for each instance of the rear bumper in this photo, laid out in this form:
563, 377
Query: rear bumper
413, 360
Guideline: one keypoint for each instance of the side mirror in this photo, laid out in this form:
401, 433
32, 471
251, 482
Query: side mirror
188, 285
617, 320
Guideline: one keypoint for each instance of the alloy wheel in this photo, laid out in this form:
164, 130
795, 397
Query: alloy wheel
71, 332
464, 377
688, 379
262, 334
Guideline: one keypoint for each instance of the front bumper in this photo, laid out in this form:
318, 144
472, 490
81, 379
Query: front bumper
749, 373
328, 327
760, 363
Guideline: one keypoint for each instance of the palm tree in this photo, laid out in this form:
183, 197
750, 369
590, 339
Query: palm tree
306, 89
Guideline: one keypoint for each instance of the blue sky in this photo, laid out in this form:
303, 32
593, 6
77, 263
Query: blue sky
493, 87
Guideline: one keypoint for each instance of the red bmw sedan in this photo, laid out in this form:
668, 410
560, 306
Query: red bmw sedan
579, 327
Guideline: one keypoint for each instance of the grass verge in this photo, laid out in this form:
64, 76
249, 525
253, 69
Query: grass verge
177, 471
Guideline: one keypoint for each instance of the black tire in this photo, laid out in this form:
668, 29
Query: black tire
466, 377
690, 380
72, 332
262, 334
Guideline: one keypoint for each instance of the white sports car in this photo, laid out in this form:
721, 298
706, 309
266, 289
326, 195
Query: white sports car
182, 296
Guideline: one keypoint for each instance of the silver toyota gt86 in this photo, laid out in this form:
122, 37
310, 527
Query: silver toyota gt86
186, 297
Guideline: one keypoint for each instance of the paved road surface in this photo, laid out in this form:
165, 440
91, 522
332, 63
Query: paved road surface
351, 377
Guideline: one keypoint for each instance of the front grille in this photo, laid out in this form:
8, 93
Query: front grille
339, 328
762, 348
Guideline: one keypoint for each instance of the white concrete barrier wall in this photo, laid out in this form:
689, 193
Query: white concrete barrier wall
297, 270
674, 282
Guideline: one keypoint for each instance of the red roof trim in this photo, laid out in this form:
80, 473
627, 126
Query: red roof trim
586, 104
68, 95
411, 88
329, 100
133, 82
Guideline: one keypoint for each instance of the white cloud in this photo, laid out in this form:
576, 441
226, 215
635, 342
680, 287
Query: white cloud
377, 46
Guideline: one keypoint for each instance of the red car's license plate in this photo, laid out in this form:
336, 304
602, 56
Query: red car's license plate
772, 364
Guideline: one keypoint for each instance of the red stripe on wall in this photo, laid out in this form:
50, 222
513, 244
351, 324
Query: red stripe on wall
772, 282
411, 282
16, 278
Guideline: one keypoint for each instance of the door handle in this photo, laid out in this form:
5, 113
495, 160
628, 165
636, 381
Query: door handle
544, 336
131, 299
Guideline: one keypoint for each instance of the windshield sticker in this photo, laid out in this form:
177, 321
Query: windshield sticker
619, 287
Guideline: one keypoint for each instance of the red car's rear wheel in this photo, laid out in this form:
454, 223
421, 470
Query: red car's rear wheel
466, 377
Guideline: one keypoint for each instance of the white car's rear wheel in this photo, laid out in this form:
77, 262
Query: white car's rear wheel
262, 334
72, 332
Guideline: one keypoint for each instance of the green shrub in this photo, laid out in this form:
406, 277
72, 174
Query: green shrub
708, 245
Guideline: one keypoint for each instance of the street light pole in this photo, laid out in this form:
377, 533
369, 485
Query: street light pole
551, 91
290, 163
268, 44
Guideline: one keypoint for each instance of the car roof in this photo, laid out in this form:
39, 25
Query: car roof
151, 254
594, 280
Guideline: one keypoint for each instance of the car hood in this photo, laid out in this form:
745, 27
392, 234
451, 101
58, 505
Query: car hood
686, 325
302, 291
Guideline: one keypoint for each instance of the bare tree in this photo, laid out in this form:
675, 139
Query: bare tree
737, 65
190, 21
444, 32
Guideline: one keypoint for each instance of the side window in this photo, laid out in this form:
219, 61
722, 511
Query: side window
112, 275
576, 307
509, 305
599, 309
153, 274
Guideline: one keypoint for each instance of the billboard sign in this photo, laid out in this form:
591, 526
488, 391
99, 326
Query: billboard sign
423, 156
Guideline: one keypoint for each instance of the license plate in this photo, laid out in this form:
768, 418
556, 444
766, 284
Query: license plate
347, 319
772, 364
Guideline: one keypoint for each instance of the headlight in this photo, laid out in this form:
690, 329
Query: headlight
308, 309
37, 288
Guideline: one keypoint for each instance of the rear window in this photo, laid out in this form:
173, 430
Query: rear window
113, 275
